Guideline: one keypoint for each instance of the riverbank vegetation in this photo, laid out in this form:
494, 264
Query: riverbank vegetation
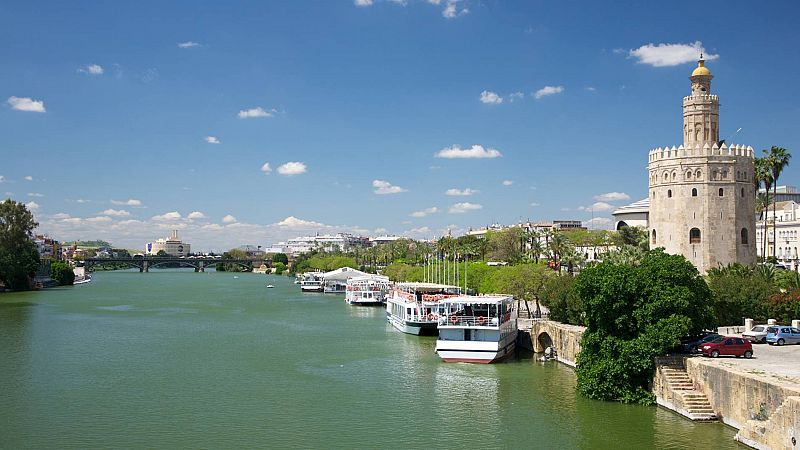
19, 258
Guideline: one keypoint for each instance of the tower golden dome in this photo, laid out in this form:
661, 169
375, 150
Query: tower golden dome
701, 68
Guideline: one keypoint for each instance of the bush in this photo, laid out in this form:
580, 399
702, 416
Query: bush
633, 314
784, 307
740, 291
62, 273
565, 305
279, 267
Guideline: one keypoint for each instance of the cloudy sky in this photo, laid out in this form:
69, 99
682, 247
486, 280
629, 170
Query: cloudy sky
251, 122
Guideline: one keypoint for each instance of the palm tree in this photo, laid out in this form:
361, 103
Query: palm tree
778, 159
763, 173
762, 207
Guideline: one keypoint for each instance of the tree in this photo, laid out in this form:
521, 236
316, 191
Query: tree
19, 257
762, 208
280, 258
506, 245
634, 236
740, 291
764, 176
161, 253
62, 273
559, 296
279, 267
777, 160
633, 314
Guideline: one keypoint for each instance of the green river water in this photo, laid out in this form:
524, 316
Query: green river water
177, 359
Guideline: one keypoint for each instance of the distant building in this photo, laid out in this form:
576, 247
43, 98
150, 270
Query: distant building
343, 242
253, 252
48, 248
172, 246
633, 215
783, 194
785, 225
378, 240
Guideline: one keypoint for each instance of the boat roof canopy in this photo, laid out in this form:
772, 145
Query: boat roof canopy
426, 286
370, 277
479, 299
342, 274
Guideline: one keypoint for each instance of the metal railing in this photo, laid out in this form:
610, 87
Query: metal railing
454, 320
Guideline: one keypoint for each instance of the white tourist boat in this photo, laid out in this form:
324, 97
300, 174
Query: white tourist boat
311, 282
367, 290
335, 281
477, 329
413, 308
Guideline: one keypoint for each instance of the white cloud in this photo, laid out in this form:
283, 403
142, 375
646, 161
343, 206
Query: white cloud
461, 193
665, 55
33, 206
591, 88
2, 179
129, 202
60, 216
362, 2
294, 222
598, 222
212, 140
212, 226
380, 230
100, 219
188, 44
491, 98
597, 206
548, 90
508, 182
460, 208
451, 11
534, 204
256, 112
228, 219
476, 151
384, 187
512, 97
266, 168
26, 104
195, 215
612, 197
116, 213
92, 69
27, 178
168, 217
425, 212
35, 194
83, 200
291, 168
420, 230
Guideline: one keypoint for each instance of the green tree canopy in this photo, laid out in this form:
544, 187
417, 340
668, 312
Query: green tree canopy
280, 258
19, 257
633, 314
62, 273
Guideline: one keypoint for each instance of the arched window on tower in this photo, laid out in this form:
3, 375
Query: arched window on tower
654, 236
688, 174
744, 236
694, 236
721, 192
694, 192
669, 193
742, 192
698, 174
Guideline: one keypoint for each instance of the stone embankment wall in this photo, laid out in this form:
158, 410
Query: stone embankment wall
538, 334
765, 409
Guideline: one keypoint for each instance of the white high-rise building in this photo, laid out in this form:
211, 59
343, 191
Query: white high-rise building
171, 246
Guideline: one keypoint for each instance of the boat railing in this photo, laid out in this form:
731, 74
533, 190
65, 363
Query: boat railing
436, 297
456, 320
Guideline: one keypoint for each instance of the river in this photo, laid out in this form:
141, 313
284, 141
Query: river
173, 358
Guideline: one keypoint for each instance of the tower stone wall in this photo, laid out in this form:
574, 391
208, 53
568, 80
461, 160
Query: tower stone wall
702, 195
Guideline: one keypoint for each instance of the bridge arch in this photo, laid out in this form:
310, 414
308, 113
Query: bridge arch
543, 340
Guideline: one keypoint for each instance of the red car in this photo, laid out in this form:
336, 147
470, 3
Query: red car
728, 345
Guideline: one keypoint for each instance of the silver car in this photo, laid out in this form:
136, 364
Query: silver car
758, 334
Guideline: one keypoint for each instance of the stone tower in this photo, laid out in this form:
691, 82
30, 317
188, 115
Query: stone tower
702, 194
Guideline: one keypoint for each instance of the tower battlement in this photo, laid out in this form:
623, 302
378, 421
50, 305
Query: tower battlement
689, 98
661, 153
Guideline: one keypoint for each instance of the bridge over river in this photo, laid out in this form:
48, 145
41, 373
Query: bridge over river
144, 264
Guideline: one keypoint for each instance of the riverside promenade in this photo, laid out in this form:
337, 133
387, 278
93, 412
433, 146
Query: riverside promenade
760, 397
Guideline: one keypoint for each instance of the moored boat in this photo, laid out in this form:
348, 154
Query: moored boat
477, 329
311, 282
413, 308
367, 290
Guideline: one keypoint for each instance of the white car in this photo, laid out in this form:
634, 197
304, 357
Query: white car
758, 334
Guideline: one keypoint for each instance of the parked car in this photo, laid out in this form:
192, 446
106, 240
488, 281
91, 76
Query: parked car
728, 345
691, 343
781, 334
757, 334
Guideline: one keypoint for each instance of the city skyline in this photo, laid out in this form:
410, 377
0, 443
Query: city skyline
263, 122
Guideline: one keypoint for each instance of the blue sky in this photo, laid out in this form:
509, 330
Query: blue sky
109, 108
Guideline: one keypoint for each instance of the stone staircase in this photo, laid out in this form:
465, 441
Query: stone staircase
688, 401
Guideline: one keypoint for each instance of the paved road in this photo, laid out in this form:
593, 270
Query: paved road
781, 362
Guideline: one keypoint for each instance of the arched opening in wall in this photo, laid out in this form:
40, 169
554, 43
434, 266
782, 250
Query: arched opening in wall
689, 175
669, 193
721, 192
621, 225
654, 236
694, 236
544, 340
698, 174
745, 238
694, 192
742, 192
674, 175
